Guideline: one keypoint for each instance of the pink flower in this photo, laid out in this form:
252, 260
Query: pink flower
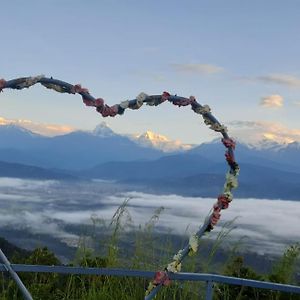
161, 277
215, 218
88, 102
99, 102
184, 102
2, 84
223, 201
165, 96
78, 89
229, 143
108, 111
229, 157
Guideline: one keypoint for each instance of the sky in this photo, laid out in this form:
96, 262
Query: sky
239, 57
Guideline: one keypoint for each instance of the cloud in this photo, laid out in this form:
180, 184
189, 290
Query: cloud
254, 132
267, 227
282, 79
40, 128
197, 68
47, 208
272, 101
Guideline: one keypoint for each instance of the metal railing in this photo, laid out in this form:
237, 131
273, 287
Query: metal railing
209, 279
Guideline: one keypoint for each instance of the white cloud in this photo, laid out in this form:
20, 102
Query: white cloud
40, 128
256, 131
269, 229
272, 101
282, 79
197, 68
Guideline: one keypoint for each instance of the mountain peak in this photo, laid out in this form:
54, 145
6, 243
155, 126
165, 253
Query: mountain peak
16, 129
103, 130
158, 141
268, 144
154, 137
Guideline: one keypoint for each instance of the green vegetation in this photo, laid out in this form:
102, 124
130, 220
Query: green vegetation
124, 246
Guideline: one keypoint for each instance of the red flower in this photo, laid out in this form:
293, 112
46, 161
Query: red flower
229, 157
2, 84
78, 89
223, 201
108, 111
183, 102
215, 218
88, 102
229, 143
216, 207
161, 277
99, 102
165, 96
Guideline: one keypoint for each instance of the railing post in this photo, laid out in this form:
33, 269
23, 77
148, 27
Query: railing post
15, 277
209, 290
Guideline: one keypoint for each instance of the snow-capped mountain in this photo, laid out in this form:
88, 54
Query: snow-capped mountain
13, 136
268, 170
75, 150
103, 130
263, 144
161, 142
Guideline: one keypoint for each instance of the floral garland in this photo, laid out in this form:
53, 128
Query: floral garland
162, 278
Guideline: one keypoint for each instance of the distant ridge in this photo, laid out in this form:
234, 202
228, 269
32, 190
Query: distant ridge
268, 169
11, 250
15, 170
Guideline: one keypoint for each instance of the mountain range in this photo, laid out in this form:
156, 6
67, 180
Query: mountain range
72, 151
270, 171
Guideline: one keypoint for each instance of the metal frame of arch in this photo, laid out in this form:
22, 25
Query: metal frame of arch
161, 278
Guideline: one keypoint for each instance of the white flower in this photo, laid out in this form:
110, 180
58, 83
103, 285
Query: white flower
193, 243
231, 181
174, 267
124, 104
178, 256
203, 109
219, 128
141, 97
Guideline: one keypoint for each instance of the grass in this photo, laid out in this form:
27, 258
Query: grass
125, 246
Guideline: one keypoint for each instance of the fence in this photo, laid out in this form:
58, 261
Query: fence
210, 279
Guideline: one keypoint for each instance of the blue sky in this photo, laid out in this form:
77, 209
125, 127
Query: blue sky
240, 57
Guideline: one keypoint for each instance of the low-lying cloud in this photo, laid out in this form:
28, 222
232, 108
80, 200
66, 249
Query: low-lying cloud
268, 225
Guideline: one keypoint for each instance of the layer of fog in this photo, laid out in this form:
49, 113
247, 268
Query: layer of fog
44, 207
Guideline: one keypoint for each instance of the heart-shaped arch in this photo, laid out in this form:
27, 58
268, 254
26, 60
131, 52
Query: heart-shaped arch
162, 277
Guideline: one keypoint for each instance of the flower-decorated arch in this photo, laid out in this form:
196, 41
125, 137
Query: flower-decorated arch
223, 200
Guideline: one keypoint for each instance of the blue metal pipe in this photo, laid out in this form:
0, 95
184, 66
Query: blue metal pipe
209, 290
150, 274
8, 267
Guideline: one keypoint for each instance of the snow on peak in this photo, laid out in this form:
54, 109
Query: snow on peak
154, 137
294, 145
266, 144
161, 142
103, 130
